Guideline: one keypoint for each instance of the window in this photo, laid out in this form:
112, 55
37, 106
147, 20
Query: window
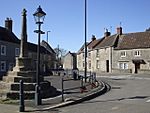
3, 50
3, 66
89, 64
16, 51
83, 55
137, 53
123, 54
83, 64
97, 64
89, 55
97, 53
123, 65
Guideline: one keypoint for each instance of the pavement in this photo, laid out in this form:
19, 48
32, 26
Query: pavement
73, 94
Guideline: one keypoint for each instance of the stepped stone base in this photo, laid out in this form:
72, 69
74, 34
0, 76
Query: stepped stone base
46, 91
9, 87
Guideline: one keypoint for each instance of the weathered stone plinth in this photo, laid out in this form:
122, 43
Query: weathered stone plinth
24, 70
9, 87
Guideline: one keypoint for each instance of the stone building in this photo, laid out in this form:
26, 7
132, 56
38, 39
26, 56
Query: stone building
70, 61
118, 53
10, 49
132, 55
90, 55
24, 70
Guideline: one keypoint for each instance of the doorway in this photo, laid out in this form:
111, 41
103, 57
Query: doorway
107, 65
137, 66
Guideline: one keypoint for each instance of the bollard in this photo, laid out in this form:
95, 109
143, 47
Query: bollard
81, 81
62, 90
21, 97
38, 99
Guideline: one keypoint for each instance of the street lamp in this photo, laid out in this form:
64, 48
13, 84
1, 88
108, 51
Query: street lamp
39, 16
85, 43
47, 36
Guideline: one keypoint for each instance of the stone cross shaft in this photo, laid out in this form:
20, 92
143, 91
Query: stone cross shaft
24, 45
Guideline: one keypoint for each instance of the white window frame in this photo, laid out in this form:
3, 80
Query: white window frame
137, 53
89, 64
123, 54
97, 53
17, 51
123, 65
3, 69
97, 64
3, 52
89, 54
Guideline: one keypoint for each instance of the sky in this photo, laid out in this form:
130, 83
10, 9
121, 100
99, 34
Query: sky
66, 21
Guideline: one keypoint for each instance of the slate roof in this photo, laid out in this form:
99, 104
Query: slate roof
134, 40
107, 41
6, 35
46, 45
73, 54
82, 48
92, 44
33, 47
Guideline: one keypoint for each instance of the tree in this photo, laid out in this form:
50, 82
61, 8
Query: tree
60, 53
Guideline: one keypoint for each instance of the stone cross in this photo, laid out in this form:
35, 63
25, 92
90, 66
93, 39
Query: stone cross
24, 45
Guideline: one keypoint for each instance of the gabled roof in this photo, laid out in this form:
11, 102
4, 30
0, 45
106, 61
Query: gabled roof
107, 41
6, 35
33, 47
92, 44
134, 40
72, 54
82, 48
47, 46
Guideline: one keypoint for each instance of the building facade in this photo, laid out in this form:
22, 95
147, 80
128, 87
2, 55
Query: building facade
10, 49
118, 53
70, 61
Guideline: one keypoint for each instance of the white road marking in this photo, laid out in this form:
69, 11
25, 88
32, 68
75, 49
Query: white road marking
148, 101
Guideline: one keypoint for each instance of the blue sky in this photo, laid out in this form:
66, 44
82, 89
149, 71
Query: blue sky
65, 19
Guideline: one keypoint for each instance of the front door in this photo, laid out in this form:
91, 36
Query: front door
107, 65
137, 66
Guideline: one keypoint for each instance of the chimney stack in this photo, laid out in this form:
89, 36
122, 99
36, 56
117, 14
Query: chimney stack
119, 30
93, 37
8, 24
106, 34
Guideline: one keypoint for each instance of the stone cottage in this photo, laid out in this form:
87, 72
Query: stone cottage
118, 53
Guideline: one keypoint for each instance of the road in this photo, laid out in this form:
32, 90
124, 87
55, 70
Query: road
129, 94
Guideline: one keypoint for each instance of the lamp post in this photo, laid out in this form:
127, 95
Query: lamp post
47, 35
85, 43
39, 16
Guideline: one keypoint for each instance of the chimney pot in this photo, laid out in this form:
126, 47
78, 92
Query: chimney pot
93, 37
107, 33
8, 24
119, 30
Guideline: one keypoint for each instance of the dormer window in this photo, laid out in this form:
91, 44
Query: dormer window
123, 54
